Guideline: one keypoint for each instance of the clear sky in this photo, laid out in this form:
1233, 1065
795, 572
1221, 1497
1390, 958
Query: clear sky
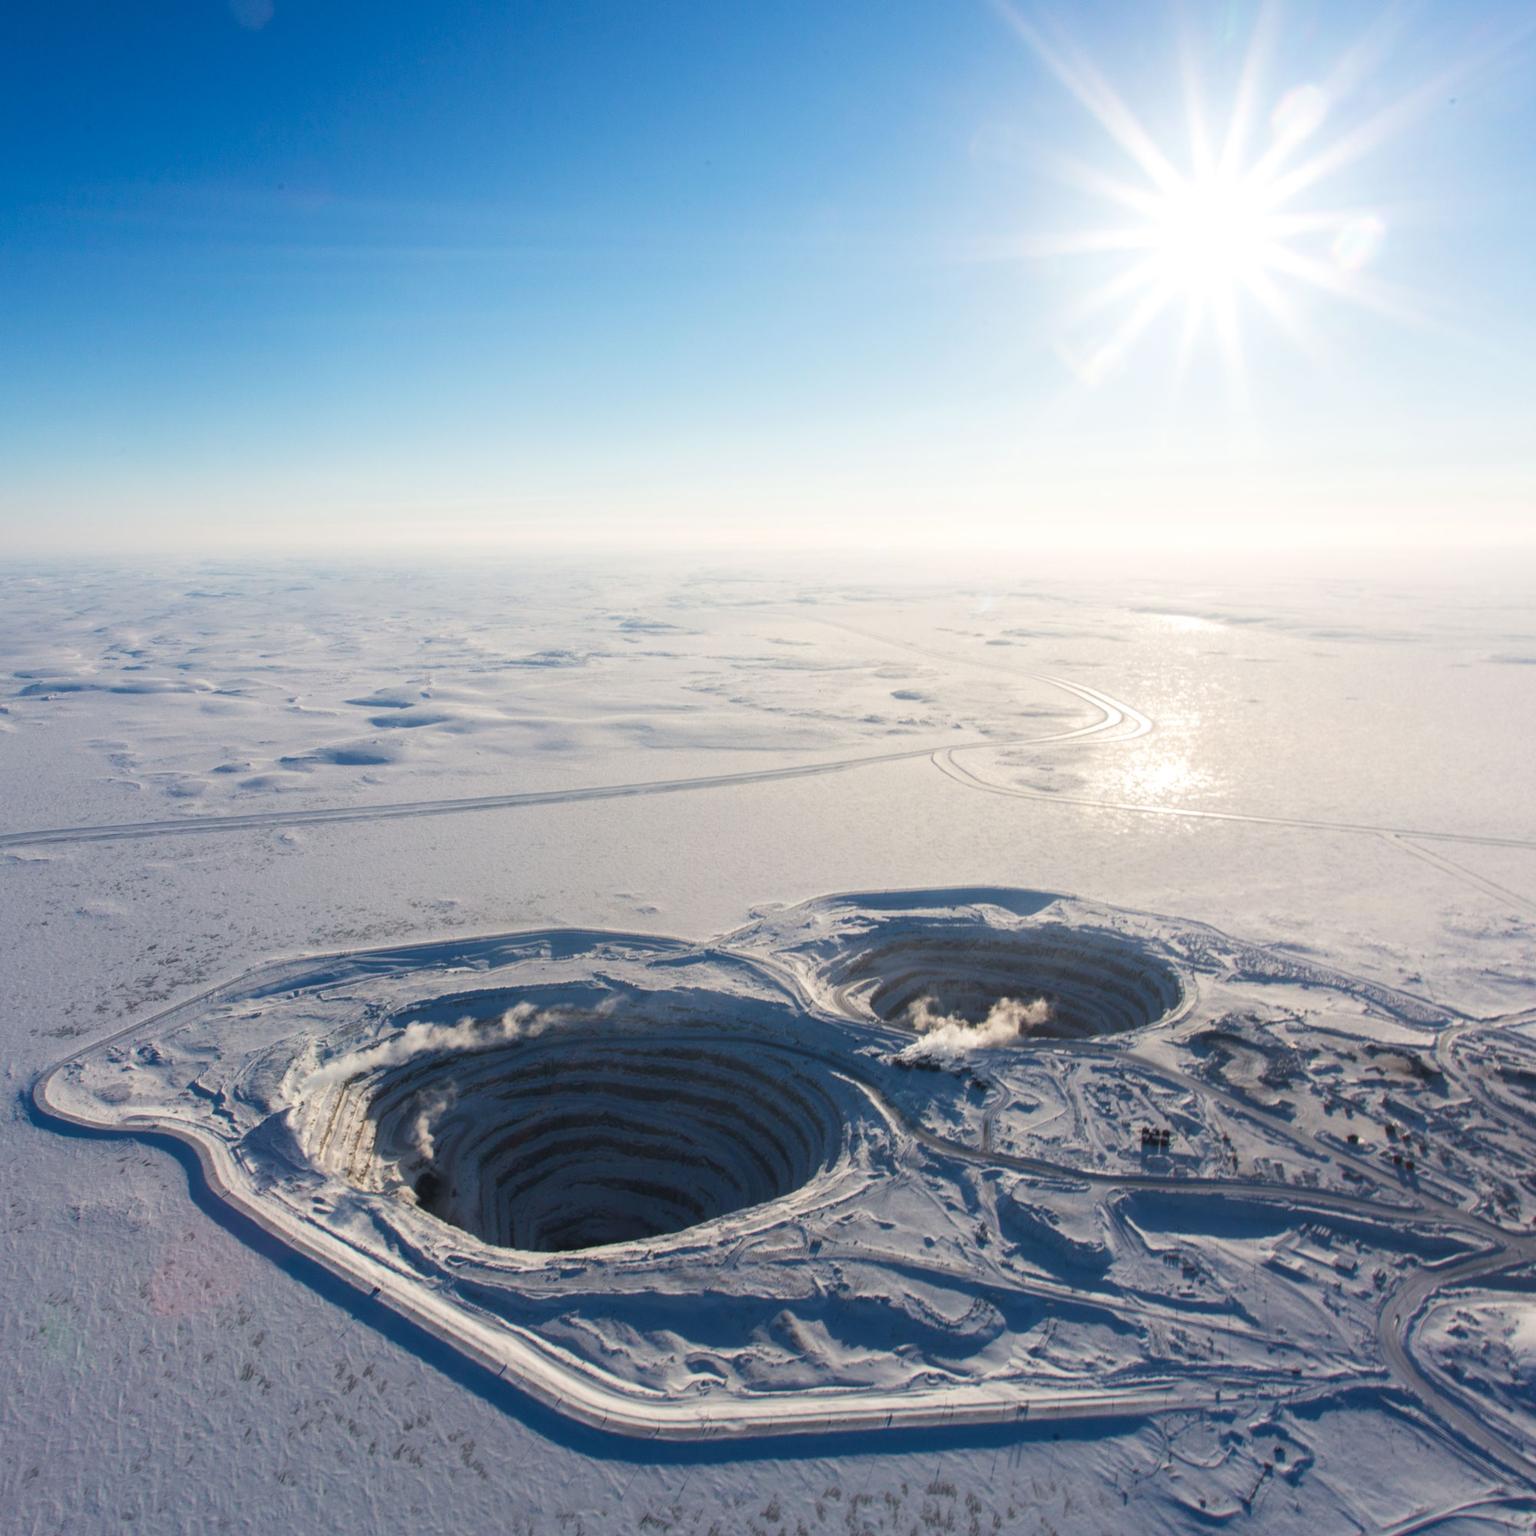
279, 273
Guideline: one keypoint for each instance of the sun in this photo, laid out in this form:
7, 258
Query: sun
1225, 224
1210, 236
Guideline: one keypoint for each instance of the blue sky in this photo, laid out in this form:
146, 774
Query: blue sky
288, 274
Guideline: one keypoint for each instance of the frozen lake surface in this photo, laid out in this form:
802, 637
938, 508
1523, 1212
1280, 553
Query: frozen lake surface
1326, 783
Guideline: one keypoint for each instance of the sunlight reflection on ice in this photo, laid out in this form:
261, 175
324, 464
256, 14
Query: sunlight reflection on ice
1156, 775
1184, 622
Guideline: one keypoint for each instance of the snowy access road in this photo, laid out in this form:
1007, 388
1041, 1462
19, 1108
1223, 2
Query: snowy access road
1401, 1310
1113, 715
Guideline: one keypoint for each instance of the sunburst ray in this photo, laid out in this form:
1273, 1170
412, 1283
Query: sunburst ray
1227, 230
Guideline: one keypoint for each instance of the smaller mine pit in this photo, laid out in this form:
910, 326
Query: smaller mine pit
1091, 981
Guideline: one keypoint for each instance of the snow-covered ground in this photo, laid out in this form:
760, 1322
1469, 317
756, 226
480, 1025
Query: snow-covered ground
1310, 801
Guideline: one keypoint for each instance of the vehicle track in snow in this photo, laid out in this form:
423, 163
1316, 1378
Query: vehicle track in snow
1112, 716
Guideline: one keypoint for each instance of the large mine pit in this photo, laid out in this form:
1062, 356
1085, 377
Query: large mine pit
585, 1136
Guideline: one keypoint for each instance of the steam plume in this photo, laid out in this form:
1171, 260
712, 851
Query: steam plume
522, 1022
947, 1036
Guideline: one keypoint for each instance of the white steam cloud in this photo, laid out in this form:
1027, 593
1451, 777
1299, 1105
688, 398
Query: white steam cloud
522, 1022
946, 1036
433, 1108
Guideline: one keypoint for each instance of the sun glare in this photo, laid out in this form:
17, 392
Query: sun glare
1223, 224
